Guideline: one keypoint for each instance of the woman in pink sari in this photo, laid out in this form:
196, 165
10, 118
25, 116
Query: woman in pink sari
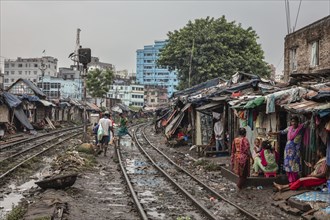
240, 157
292, 164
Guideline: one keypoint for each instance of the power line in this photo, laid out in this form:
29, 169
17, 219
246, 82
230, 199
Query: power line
294, 27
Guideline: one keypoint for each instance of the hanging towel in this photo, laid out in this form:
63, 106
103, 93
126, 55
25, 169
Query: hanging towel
270, 105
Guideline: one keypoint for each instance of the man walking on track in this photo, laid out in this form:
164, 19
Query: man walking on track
105, 124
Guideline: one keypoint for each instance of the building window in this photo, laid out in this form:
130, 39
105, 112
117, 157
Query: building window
314, 53
35, 65
12, 80
13, 65
20, 65
12, 72
6, 65
6, 80
6, 72
20, 72
35, 72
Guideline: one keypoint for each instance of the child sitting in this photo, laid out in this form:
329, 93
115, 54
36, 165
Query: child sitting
266, 160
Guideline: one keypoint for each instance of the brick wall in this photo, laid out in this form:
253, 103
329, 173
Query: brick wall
302, 40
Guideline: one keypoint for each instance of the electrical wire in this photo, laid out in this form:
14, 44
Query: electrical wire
295, 24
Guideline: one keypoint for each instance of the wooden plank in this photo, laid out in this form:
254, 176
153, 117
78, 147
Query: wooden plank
303, 206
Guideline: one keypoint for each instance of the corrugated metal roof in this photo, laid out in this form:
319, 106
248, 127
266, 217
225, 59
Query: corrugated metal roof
304, 106
209, 106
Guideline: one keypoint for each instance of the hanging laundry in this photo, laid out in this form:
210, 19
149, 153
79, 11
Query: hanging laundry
270, 104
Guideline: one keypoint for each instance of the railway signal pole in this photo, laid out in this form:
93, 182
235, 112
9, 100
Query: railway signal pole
84, 57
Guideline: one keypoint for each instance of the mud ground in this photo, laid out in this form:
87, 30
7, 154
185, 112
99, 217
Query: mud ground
100, 193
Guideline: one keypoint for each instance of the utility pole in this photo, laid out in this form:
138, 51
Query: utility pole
84, 55
191, 57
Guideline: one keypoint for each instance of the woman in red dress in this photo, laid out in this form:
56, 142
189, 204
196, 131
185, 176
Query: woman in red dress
240, 157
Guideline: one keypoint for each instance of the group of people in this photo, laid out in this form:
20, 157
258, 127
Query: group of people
265, 158
104, 131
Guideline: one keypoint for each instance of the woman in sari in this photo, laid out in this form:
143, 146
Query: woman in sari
266, 161
316, 178
292, 164
240, 157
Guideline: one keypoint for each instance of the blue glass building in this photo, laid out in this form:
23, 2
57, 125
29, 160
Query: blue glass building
147, 73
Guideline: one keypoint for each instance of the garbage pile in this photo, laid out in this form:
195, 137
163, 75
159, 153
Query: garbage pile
68, 163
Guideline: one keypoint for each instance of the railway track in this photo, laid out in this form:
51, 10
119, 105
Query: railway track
165, 188
20, 153
22, 141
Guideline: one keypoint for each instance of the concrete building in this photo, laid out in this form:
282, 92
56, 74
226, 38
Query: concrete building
59, 88
68, 73
29, 68
147, 72
96, 64
1, 79
155, 96
129, 94
307, 51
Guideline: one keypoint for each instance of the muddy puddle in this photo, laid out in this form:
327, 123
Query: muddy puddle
13, 193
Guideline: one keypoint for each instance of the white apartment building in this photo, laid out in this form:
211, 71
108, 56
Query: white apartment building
59, 88
29, 68
129, 94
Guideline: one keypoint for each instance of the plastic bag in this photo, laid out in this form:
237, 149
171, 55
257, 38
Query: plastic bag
100, 132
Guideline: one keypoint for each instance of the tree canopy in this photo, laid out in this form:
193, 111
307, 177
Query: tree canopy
98, 82
209, 48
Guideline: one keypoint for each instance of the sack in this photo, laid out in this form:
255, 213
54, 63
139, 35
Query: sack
100, 132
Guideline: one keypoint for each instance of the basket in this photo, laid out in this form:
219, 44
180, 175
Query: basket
59, 182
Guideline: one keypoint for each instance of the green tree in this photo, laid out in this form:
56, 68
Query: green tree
209, 48
98, 82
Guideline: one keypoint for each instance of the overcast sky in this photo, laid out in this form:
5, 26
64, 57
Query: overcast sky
114, 30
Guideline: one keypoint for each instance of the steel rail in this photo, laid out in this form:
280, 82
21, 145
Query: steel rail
143, 214
36, 137
200, 182
185, 192
35, 155
34, 146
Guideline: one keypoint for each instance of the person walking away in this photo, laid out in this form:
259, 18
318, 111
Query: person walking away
218, 133
106, 124
266, 160
122, 131
240, 157
292, 164
316, 178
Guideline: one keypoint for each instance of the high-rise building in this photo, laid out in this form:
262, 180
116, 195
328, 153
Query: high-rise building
32, 69
147, 71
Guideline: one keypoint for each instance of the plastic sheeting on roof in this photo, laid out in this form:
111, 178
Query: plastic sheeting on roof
204, 85
30, 98
12, 100
20, 115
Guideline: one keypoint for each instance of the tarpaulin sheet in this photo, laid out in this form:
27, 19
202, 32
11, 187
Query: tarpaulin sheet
20, 115
314, 196
12, 100
30, 98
